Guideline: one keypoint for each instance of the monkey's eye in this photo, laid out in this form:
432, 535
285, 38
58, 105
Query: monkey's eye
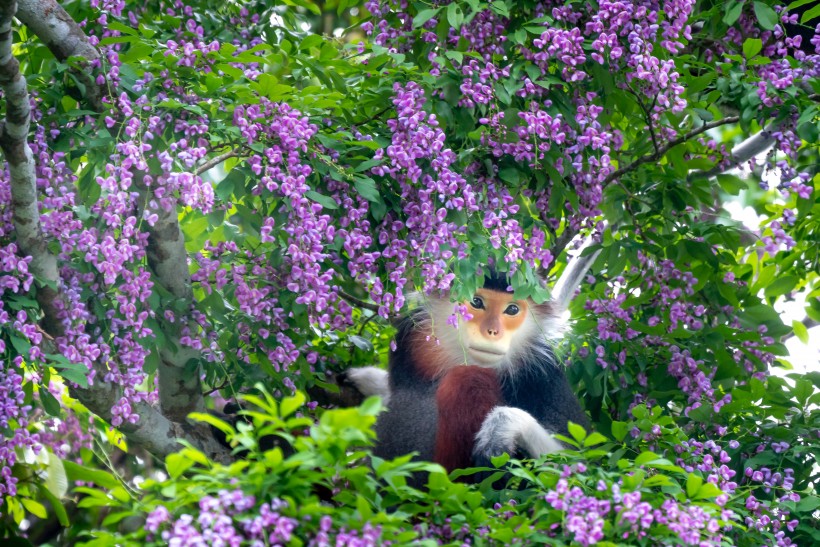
477, 303
512, 309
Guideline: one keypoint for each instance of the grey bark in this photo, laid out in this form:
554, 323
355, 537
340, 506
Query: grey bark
745, 151
180, 387
154, 431
64, 38
179, 384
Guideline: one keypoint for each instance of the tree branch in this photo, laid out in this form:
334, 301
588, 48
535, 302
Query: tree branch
563, 240
358, 302
64, 38
664, 149
751, 147
180, 386
557, 248
216, 160
14, 143
743, 152
154, 431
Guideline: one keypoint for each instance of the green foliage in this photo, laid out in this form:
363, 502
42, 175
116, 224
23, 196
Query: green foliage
327, 471
669, 248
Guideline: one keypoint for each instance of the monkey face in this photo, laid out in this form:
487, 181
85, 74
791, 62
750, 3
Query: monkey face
501, 332
498, 322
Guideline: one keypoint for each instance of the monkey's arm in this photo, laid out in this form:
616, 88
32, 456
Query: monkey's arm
409, 424
511, 430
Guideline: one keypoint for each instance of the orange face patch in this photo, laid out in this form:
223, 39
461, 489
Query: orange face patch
494, 313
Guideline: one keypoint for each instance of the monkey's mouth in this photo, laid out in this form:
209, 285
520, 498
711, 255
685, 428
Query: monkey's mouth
488, 353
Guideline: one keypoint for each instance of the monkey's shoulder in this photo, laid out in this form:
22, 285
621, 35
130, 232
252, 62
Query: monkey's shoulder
414, 359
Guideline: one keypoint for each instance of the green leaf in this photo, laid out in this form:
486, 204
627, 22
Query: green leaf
362, 343
797, 3
269, 407
423, 16
578, 433
325, 201
366, 187
56, 479
619, 430
751, 47
57, 507
732, 11
813, 13
781, 285
124, 29
646, 457
594, 438
659, 480
307, 4
50, 404
312, 40
456, 56
363, 508
808, 503
373, 145
289, 405
114, 518
17, 512
696, 85
766, 16
371, 406
511, 175
500, 461
454, 15
219, 424
693, 484
76, 472
177, 464
634, 480
21, 345
731, 184
808, 132
707, 490
501, 9
803, 389
73, 372
34, 507
800, 331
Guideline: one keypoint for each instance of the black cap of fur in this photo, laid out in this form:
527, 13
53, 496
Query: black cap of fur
496, 281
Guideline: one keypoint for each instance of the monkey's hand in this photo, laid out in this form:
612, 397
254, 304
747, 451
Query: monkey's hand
511, 430
355, 385
369, 381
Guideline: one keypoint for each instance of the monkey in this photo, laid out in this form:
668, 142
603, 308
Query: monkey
492, 385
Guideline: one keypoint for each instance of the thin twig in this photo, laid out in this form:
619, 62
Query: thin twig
358, 302
671, 144
213, 162
646, 116
374, 116
214, 389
